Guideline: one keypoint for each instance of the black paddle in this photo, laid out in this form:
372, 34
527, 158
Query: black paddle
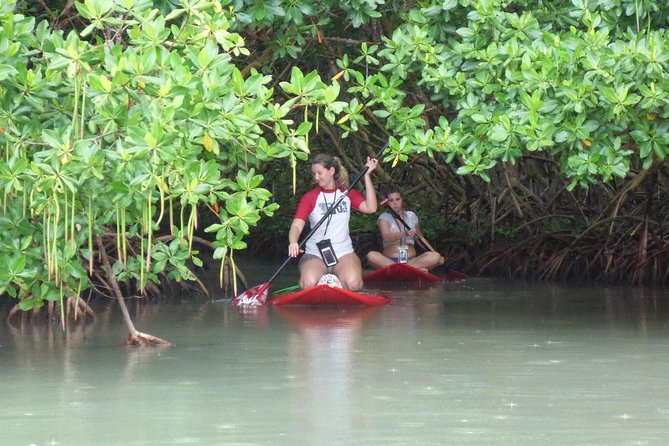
451, 276
258, 294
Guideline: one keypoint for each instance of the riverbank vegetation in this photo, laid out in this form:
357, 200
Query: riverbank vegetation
531, 136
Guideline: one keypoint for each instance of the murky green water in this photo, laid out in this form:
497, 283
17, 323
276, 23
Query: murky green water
484, 362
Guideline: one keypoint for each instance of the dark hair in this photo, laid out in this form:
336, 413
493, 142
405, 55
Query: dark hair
392, 190
329, 161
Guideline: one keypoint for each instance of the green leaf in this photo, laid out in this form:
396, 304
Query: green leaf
499, 133
610, 94
465, 32
7, 71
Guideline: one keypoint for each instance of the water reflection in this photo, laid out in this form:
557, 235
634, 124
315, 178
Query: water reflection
38, 332
485, 362
321, 355
258, 315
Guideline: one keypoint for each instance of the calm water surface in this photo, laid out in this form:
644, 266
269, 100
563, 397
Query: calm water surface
483, 362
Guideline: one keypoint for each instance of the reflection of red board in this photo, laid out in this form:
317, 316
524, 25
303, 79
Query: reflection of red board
326, 316
401, 272
327, 295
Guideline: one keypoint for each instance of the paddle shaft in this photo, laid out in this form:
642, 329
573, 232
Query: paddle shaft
424, 243
327, 213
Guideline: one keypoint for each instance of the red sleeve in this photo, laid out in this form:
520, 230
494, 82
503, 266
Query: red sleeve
306, 204
356, 199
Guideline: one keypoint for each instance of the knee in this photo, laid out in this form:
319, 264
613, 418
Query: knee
436, 258
307, 282
375, 259
352, 283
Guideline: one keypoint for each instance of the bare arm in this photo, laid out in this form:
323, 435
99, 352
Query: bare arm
417, 231
370, 204
294, 232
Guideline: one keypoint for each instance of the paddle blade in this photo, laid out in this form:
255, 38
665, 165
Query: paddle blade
454, 276
255, 296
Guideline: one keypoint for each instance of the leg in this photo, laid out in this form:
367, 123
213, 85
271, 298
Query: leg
349, 271
426, 260
377, 260
312, 269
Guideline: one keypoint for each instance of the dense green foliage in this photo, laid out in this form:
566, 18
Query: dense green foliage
582, 81
536, 98
110, 136
560, 106
122, 117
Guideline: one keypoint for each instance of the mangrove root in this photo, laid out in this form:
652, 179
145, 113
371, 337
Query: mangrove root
135, 337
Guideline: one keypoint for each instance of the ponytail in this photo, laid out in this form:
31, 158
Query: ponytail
341, 174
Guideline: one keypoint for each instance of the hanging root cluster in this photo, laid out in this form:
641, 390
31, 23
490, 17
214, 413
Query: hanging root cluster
75, 309
636, 260
615, 233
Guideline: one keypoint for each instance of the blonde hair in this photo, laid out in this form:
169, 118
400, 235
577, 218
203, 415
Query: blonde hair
329, 161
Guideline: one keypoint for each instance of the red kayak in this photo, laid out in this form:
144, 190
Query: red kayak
401, 272
328, 295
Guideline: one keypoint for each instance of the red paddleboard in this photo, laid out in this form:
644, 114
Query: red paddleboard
328, 295
401, 272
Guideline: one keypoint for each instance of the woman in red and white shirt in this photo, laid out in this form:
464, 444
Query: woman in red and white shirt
332, 181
